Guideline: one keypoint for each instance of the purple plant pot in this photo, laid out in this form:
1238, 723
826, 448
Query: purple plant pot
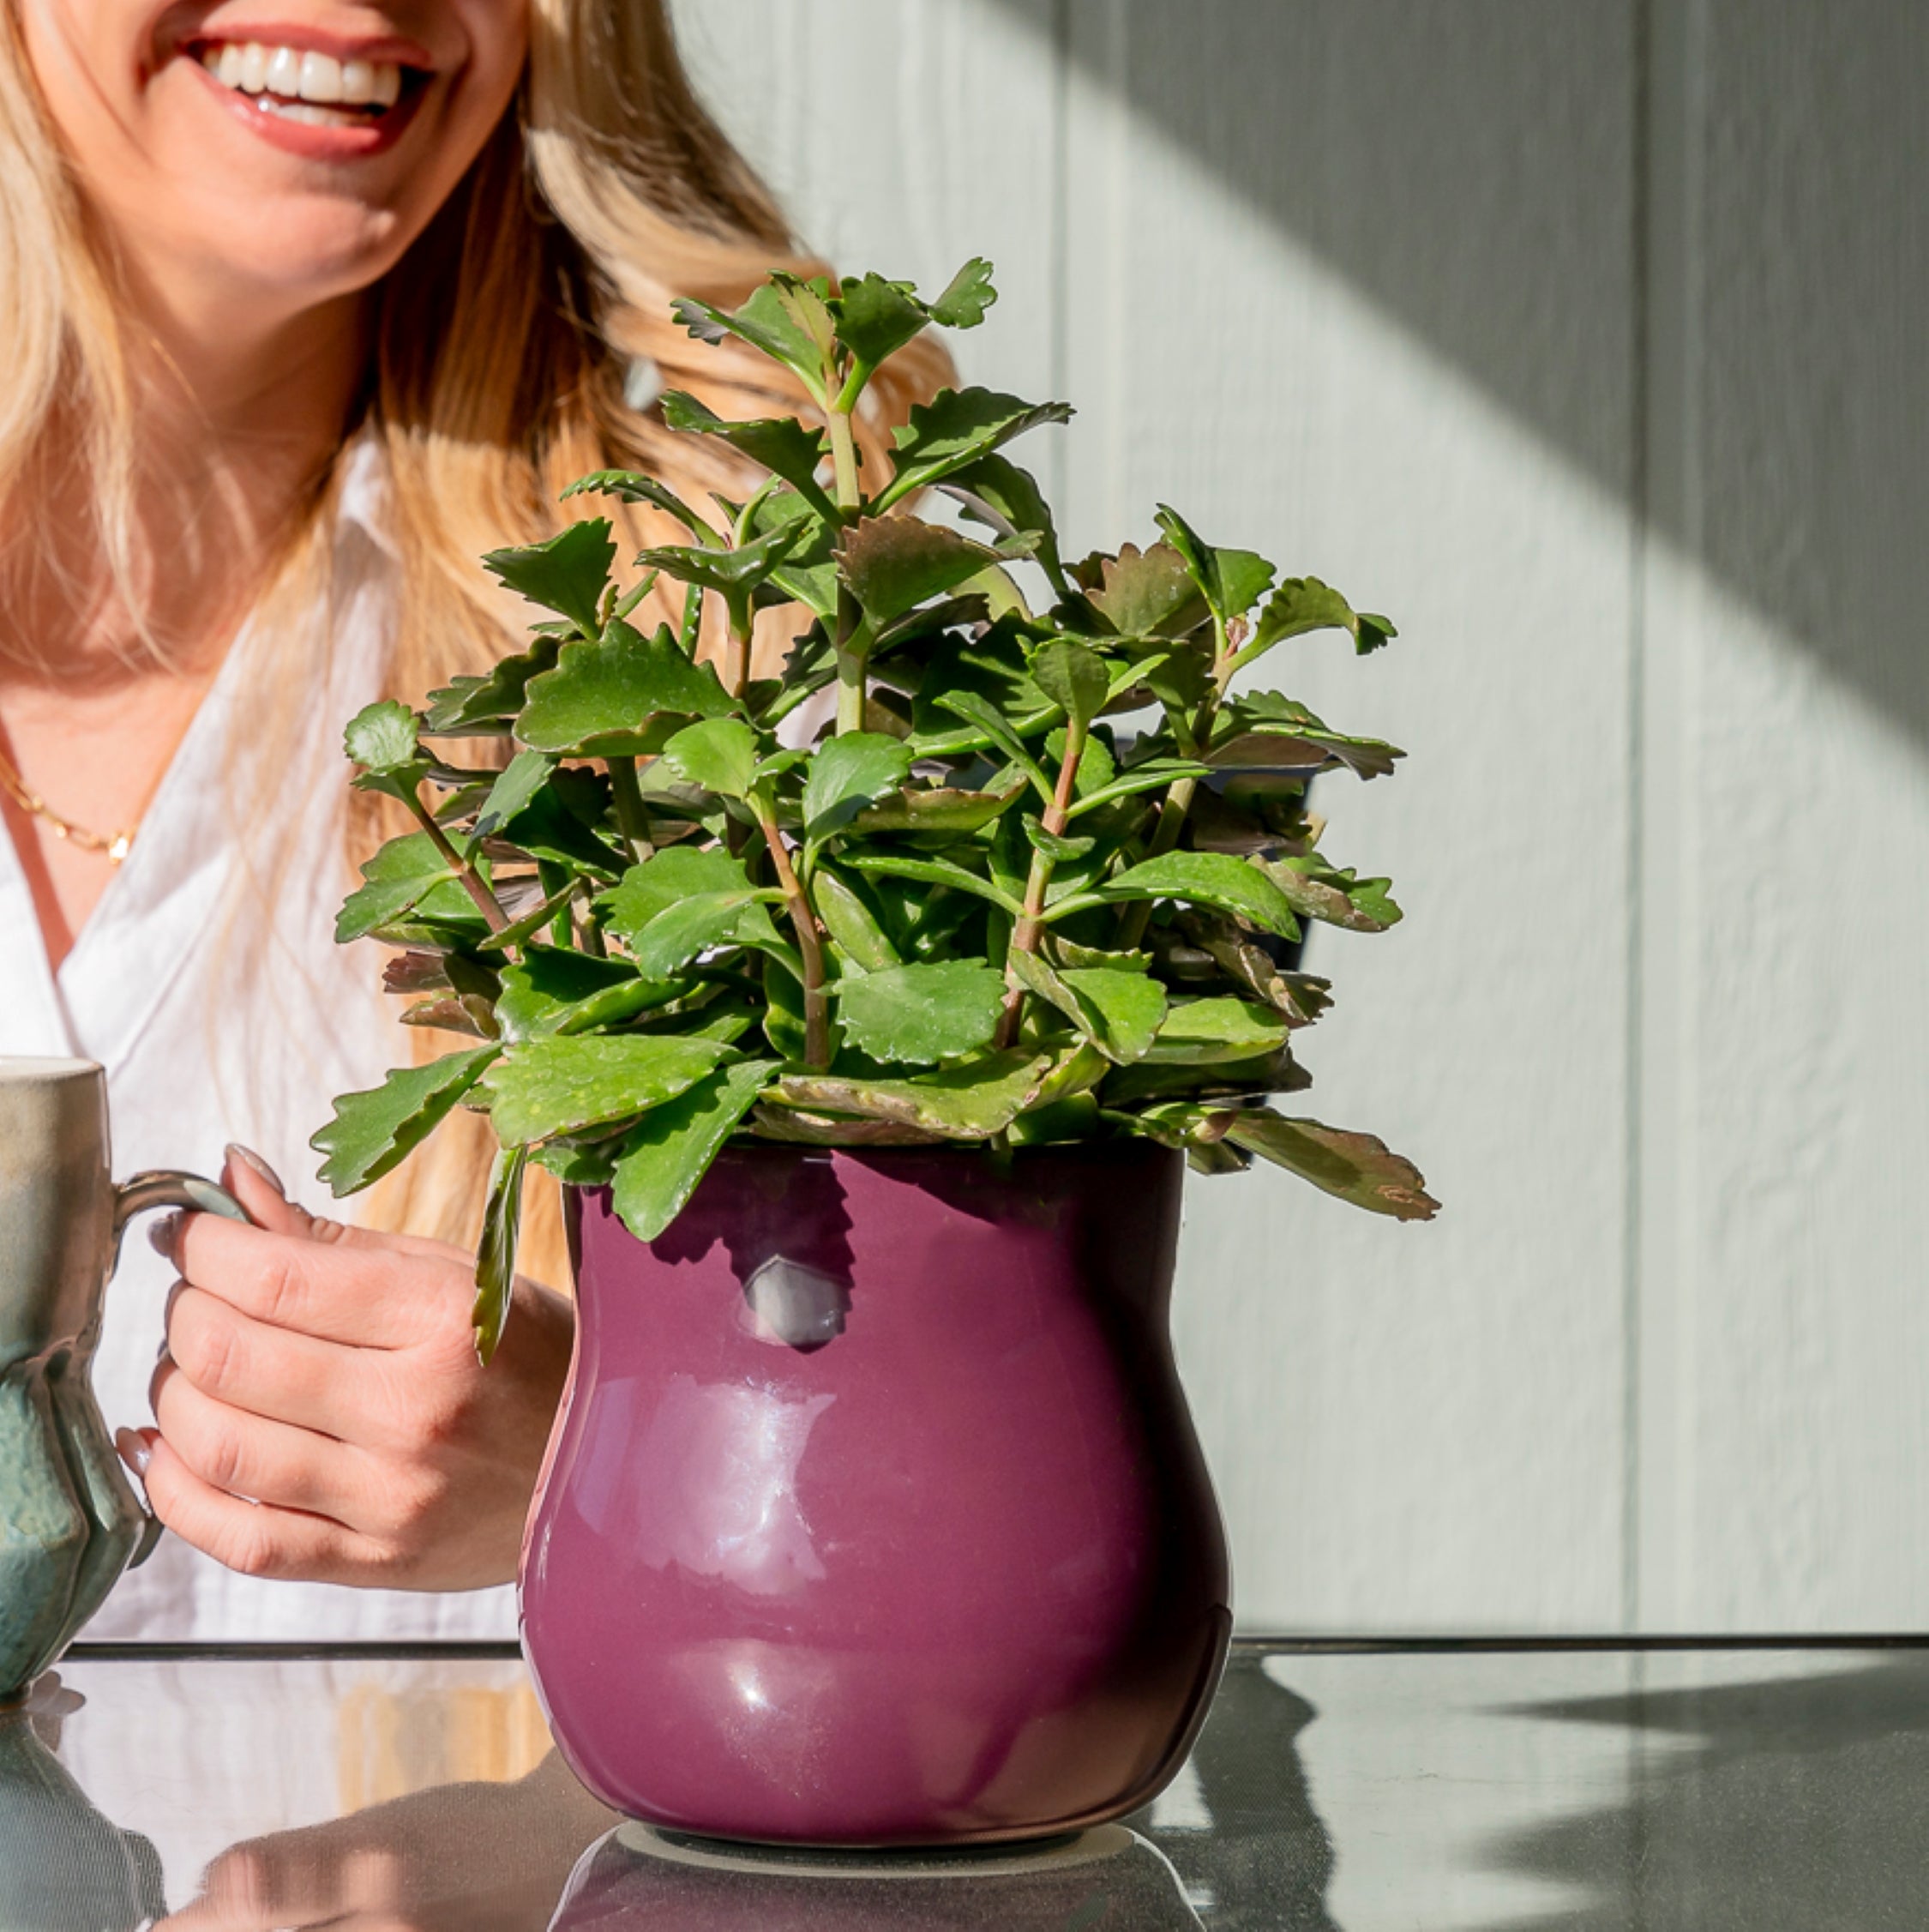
875, 1515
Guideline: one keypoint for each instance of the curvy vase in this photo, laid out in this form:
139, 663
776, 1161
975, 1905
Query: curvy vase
875, 1515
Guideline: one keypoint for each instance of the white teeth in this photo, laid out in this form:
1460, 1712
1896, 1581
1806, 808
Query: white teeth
291, 74
321, 77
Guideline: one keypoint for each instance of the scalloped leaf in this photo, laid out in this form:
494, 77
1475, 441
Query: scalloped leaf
373, 1132
567, 574
604, 694
1212, 879
1356, 1168
920, 1014
563, 1084
954, 430
971, 1101
670, 1151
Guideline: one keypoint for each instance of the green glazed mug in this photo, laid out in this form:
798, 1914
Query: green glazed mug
70, 1523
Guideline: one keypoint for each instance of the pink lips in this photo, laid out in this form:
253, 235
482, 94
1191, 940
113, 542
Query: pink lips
358, 142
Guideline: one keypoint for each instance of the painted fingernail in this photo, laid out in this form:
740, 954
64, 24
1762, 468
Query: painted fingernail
164, 1233
134, 1451
249, 1158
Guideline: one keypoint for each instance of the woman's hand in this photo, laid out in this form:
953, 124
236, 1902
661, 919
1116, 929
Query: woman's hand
322, 1416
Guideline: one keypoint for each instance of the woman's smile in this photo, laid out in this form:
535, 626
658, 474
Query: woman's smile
329, 96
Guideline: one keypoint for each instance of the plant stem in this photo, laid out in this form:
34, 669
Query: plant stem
1177, 803
844, 460
472, 880
1030, 926
853, 666
803, 922
628, 797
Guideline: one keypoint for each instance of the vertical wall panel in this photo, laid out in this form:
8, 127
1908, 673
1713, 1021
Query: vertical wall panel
905, 136
1353, 282
1785, 1477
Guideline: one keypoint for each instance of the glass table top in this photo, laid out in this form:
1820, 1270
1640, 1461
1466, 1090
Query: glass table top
1357, 1787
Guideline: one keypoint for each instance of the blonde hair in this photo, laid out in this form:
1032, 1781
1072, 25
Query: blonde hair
503, 344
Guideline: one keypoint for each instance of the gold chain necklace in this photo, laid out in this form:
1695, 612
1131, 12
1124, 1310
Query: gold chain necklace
115, 846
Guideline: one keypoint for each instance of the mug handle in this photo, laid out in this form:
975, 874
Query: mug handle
164, 1188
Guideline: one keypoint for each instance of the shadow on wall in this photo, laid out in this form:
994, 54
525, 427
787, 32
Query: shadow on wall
1770, 157
1788, 1806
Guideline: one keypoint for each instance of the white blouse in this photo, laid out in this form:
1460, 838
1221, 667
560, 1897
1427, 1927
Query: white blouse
222, 1018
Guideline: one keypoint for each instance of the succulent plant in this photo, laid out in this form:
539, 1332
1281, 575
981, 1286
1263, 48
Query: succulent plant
1037, 882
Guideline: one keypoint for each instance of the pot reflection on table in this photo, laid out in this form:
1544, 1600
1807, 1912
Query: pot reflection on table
64, 1868
1109, 1879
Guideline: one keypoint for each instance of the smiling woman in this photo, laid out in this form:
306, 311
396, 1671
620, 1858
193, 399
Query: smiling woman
308, 302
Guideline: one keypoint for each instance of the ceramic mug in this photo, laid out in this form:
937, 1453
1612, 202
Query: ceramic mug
70, 1520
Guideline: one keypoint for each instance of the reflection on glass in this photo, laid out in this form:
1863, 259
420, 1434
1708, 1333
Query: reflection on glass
64, 1868
1106, 1881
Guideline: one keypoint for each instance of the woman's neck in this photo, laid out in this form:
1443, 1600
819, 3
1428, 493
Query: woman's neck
104, 659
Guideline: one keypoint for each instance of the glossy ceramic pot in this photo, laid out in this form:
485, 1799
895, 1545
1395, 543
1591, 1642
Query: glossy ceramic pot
875, 1515
69, 1521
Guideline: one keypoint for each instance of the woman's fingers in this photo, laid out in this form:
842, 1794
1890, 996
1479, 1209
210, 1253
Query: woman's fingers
332, 1290
258, 1460
269, 1370
258, 1539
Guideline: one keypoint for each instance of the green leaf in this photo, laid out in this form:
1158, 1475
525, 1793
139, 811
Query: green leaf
1210, 1032
733, 573
998, 494
850, 923
971, 1101
466, 705
937, 810
953, 430
602, 695
496, 1255
635, 488
1145, 593
1074, 677
666, 879
383, 738
679, 933
985, 717
1317, 890
375, 1131
1231, 581
1304, 604
846, 774
781, 444
921, 1013
875, 318
1355, 1167
967, 297
569, 573
720, 757
527, 773
1155, 775
547, 981
561, 1084
398, 877
1266, 731
933, 872
665, 1157
1205, 879
895, 563
1119, 1010
768, 324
